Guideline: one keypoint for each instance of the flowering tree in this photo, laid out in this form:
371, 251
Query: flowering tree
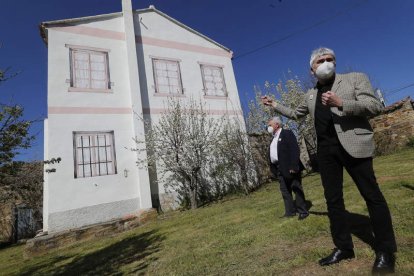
234, 146
197, 155
180, 146
289, 93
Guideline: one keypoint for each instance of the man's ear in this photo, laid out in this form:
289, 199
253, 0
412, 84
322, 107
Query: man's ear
311, 69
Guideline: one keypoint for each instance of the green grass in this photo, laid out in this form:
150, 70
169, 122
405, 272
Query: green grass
242, 235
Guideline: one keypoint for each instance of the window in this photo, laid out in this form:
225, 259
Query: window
94, 153
167, 76
213, 80
89, 69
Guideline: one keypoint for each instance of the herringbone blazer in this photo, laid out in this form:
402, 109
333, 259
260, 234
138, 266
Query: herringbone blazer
351, 123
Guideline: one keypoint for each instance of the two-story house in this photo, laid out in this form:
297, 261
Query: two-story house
102, 71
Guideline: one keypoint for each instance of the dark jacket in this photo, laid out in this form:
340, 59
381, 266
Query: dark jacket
288, 154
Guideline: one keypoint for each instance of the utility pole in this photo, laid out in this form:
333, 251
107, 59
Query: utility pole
380, 97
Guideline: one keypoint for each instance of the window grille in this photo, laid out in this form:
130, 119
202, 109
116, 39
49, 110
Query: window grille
94, 154
167, 76
89, 69
213, 80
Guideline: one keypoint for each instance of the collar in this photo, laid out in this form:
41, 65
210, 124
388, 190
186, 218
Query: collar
277, 132
328, 83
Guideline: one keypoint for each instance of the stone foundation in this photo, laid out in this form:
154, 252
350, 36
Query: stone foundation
101, 213
41, 244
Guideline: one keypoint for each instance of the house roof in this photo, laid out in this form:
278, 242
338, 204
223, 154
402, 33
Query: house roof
44, 25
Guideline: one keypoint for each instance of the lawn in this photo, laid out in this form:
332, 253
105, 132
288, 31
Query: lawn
241, 235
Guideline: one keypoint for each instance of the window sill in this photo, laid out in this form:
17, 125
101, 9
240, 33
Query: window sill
212, 97
89, 90
169, 95
92, 176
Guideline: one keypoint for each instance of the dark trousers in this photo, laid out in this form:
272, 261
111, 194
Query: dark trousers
332, 160
287, 186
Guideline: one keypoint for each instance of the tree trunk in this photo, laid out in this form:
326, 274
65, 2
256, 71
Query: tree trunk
193, 191
244, 180
193, 199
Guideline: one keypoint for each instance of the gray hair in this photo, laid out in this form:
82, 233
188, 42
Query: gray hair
320, 52
277, 120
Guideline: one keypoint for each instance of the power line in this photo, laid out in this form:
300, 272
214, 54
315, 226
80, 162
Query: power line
398, 89
299, 31
391, 92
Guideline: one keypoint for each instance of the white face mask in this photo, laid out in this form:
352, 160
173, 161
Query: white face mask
325, 70
270, 129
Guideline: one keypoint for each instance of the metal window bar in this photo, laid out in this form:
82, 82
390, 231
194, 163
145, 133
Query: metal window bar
99, 159
90, 85
93, 147
83, 158
106, 155
90, 155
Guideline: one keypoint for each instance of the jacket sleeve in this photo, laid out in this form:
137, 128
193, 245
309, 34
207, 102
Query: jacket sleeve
366, 103
295, 114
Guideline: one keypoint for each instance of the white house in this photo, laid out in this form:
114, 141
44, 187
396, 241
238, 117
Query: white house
102, 70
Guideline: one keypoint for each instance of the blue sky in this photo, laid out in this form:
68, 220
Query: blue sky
371, 36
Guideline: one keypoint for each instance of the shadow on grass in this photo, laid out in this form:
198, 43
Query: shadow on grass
360, 226
408, 186
106, 261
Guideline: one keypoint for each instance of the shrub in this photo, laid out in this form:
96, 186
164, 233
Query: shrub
410, 142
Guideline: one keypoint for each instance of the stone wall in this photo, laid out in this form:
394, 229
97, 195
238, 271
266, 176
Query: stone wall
6, 223
44, 242
394, 127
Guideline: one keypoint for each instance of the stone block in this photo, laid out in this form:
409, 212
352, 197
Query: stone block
42, 244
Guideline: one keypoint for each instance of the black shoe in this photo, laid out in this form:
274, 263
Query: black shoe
303, 216
384, 263
336, 256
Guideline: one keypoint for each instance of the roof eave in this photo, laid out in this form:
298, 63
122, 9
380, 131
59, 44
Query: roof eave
44, 25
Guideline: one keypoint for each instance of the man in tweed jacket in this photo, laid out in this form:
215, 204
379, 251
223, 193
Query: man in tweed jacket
340, 105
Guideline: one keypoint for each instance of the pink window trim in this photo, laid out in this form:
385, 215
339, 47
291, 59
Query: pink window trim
79, 47
90, 90
154, 70
111, 153
216, 97
202, 66
210, 64
169, 95
73, 70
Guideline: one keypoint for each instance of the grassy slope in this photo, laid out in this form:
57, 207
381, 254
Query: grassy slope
241, 235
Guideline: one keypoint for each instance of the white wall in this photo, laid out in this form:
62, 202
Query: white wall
67, 198
63, 192
153, 25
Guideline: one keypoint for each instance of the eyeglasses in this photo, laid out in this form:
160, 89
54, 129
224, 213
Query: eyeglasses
320, 61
